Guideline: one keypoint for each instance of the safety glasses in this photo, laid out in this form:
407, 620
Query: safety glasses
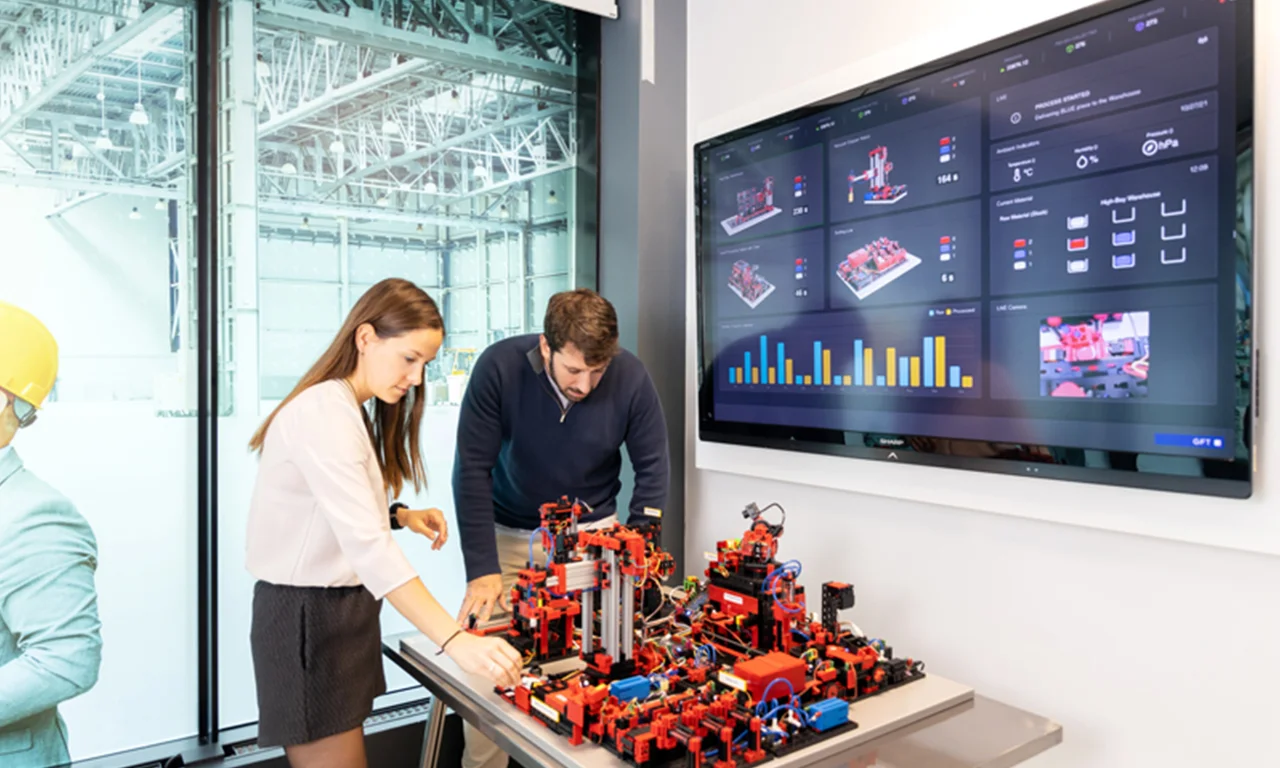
26, 412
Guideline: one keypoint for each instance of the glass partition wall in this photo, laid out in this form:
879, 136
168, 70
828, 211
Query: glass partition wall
194, 195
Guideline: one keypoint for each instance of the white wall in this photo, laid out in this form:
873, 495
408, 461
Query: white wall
99, 280
1132, 642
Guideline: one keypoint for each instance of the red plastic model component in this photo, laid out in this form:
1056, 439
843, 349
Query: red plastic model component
763, 670
722, 673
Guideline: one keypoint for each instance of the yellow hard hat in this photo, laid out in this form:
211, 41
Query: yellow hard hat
28, 355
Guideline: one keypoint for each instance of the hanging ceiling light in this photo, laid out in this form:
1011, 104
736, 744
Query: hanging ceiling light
104, 139
289, 169
161, 205
482, 171
139, 115
430, 187
390, 127
551, 197
263, 68
134, 214
384, 201
180, 95
337, 147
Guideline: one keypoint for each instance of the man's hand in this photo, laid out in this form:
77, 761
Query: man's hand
428, 522
482, 596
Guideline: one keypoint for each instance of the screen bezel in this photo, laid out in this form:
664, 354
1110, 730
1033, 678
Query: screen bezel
1220, 477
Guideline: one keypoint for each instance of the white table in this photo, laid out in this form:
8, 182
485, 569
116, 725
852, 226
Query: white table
933, 723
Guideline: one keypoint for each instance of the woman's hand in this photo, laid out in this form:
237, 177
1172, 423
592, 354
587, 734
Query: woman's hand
428, 522
491, 657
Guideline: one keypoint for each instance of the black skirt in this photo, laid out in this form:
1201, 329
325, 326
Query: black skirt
317, 661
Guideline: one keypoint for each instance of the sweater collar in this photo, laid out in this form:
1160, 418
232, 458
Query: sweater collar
534, 356
539, 369
10, 462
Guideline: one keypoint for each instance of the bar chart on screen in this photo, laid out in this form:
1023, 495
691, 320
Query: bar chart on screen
933, 352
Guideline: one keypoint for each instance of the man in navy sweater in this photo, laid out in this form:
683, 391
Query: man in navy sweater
544, 416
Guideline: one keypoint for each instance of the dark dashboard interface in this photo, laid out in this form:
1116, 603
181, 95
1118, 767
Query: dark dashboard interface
1033, 255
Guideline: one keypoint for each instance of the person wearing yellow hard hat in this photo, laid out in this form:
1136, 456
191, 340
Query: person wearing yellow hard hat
50, 638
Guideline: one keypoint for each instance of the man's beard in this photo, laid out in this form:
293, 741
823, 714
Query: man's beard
574, 395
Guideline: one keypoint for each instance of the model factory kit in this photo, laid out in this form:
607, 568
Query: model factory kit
755, 204
746, 282
877, 178
730, 670
875, 265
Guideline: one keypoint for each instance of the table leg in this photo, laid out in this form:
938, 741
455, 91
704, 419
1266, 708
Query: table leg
432, 733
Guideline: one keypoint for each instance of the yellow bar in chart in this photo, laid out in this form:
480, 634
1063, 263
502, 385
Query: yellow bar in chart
966, 382
826, 367
915, 371
740, 379
808, 380
773, 375
891, 359
940, 361
790, 378
868, 364
755, 375
848, 380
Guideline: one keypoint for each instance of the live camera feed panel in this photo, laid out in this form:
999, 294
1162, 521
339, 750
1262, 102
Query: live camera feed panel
1156, 346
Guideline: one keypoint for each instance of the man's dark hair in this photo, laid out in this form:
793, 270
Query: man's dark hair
587, 320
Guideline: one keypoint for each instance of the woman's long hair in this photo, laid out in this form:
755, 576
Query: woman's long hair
393, 307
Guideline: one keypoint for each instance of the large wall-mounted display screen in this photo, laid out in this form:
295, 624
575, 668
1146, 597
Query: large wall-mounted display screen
1033, 257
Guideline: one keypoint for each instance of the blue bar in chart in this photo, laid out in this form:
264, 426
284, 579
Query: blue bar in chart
928, 361
932, 369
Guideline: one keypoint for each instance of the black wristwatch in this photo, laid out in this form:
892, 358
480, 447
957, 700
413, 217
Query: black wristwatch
395, 524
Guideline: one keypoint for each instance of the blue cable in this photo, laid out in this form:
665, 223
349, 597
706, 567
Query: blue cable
773, 583
528, 591
800, 713
532, 536
791, 692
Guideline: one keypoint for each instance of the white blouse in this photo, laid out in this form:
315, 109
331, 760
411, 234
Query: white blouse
319, 514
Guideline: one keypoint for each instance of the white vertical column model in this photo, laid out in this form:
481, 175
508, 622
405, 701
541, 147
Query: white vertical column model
609, 607
238, 230
588, 627
627, 642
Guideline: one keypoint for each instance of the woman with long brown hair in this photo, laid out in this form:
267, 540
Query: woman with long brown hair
319, 535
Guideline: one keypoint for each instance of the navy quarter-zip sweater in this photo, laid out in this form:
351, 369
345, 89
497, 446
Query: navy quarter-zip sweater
519, 448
